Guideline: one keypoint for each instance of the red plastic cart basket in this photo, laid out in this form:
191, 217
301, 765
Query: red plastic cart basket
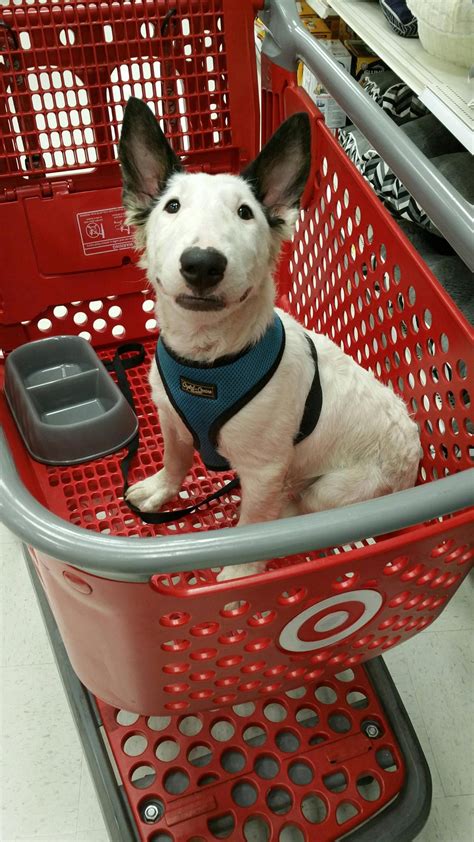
253, 712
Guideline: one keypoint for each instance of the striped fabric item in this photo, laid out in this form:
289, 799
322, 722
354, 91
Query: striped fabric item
383, 181
399, 17
398, 100
393, 193
427, 133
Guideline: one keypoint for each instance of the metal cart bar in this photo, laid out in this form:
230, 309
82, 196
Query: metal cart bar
113, 802
129, 560
287, 40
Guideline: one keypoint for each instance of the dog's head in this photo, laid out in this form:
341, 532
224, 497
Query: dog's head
210, 240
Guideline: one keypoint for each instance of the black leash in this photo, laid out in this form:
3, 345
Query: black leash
119, 365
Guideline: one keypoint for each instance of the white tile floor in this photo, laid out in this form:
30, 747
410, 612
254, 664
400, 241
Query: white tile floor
46, 790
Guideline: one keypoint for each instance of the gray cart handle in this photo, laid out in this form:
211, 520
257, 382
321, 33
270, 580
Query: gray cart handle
287, 40
130, 560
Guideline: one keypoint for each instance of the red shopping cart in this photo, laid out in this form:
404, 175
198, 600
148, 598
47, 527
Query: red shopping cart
249, 710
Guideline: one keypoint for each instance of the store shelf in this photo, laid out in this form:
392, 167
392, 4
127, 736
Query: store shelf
321, 8
443, 87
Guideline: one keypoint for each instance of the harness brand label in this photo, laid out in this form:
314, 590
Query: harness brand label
104, 231
198, 390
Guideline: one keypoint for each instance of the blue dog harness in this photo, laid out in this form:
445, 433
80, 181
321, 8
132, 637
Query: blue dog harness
205, 396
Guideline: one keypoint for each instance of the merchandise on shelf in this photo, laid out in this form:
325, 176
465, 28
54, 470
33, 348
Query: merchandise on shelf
393, 95
303, 8
317, 27
332, 27
400, 18
363, 57
333, 114
339, 28
340, 53
446, 29
434, 141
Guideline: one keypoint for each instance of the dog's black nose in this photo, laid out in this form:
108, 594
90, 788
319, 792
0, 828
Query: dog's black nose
202, 268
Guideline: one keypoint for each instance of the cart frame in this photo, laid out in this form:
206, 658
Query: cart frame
64, 556
400, 821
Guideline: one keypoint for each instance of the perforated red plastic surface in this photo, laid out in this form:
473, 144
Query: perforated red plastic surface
354, 277
294, 767
66, 72
184, 645
69, 68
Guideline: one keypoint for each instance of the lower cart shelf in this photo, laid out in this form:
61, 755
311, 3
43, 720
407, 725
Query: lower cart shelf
337, 758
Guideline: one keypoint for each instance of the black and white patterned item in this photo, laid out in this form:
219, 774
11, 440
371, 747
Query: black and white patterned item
385, 183
452, 273
400, 18
394, 96
434, 141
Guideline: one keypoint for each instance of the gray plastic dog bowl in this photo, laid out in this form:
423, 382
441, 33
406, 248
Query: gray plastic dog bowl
65, 403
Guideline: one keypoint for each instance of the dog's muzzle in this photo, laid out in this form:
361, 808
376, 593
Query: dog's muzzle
202, 269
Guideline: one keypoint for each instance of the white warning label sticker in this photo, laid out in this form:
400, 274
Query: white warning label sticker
104, 231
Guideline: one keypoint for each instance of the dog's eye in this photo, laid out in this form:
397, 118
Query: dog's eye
245, 212
172, 206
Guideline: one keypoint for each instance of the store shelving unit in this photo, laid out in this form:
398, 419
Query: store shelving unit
443, 87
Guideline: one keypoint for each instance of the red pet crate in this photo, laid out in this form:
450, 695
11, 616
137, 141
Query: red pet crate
241, 710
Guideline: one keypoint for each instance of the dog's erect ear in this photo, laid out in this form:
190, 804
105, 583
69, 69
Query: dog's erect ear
146, 158
279, 173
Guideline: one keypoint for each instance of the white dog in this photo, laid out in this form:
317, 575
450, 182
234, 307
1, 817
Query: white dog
210, 243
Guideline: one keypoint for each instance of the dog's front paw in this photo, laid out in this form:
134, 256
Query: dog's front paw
237, 571
152, 493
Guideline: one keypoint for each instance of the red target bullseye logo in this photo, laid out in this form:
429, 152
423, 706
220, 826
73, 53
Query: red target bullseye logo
330, 621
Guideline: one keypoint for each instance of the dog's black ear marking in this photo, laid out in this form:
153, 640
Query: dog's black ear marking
146, 158
279, 174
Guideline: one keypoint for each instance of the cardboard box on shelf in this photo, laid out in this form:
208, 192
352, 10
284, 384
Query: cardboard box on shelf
339, 52
334, 116
303, 8
316, 26
362, 56
337, 26
340, 31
